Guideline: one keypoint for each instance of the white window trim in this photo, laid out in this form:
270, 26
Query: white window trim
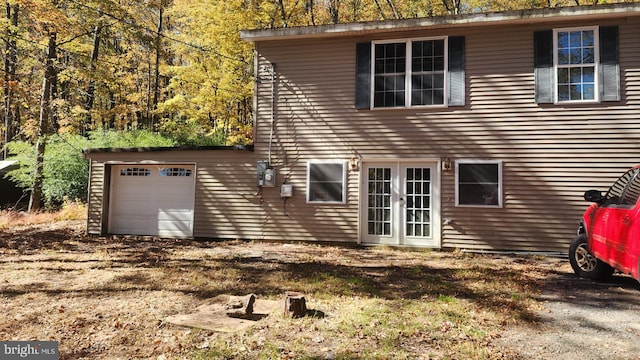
500, 181
408, 72
596, 65
344, 180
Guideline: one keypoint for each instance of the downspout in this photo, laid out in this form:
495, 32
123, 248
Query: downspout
273, 108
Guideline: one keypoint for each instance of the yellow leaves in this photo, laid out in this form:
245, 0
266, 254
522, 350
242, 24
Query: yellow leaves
172, 105
47, 14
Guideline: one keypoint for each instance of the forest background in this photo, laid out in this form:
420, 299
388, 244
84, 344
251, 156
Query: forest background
123, 73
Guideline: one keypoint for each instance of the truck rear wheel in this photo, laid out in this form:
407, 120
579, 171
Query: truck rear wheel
584, 264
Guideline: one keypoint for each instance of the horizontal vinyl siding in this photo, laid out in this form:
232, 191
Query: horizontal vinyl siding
96, 195
227, 205
308, 128
551, 153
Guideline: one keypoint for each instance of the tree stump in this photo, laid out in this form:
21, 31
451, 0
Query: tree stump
240, 306
295, 305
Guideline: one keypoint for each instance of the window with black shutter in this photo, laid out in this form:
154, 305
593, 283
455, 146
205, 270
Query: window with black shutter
410, 73
576, 65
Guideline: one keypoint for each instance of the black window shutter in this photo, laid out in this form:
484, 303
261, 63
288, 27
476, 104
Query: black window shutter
543, 65
363, 75
609, 64
456, 96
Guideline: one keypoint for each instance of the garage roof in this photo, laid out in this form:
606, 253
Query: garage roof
7, 165
164, 148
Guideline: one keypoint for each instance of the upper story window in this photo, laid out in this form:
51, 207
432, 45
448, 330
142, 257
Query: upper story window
576, 65
576, 59
409, 72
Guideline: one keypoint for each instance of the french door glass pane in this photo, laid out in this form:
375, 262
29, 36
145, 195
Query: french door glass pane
418, 204
379, 206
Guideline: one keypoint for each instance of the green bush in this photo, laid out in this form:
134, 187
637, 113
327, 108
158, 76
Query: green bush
65, 171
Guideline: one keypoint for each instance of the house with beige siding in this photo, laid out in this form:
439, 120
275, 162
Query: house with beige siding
476, 131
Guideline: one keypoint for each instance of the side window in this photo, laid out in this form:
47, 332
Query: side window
326, 182
625, 191
479, 183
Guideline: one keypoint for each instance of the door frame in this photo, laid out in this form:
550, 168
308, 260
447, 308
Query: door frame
399, 163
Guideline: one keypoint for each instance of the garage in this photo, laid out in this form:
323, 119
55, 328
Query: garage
152, 199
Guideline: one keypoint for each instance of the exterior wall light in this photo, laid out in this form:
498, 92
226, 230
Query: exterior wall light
446, 164
354, 163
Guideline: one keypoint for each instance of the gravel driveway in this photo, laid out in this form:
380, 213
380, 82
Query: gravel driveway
582, 319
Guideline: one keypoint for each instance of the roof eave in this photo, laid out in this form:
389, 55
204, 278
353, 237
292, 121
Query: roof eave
481, 19
87, 152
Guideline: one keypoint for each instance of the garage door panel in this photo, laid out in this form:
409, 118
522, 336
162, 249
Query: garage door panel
173, 228
153, 200
175, 214
179, 198
131, 224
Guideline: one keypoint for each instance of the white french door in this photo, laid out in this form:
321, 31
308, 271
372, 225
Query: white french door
400, 203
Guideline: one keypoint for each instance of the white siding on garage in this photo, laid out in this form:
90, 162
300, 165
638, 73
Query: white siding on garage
153, 200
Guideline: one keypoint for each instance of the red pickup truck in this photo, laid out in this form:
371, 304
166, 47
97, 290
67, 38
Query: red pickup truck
609, 233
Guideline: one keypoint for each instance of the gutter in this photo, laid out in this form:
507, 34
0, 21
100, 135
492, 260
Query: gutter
86, 152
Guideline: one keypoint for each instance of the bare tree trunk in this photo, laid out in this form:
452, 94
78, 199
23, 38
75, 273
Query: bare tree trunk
10, 60
396, 15
382, 14
156, 85
283, 13
43, 125
91, 89
453, 6
311, 11
334, 10
148, 109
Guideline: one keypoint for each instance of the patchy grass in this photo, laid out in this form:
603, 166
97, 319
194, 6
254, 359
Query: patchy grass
106, 298
70, 210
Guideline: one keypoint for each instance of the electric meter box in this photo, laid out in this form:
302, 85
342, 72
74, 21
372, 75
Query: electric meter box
270, 177
265, 175
286, 190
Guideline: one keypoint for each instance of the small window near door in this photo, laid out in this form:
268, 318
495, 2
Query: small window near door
479, 183
326, 182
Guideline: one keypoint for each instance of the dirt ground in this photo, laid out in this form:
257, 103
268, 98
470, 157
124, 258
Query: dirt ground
108, 298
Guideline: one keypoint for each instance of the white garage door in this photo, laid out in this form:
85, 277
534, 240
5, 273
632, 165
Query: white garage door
152, 200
